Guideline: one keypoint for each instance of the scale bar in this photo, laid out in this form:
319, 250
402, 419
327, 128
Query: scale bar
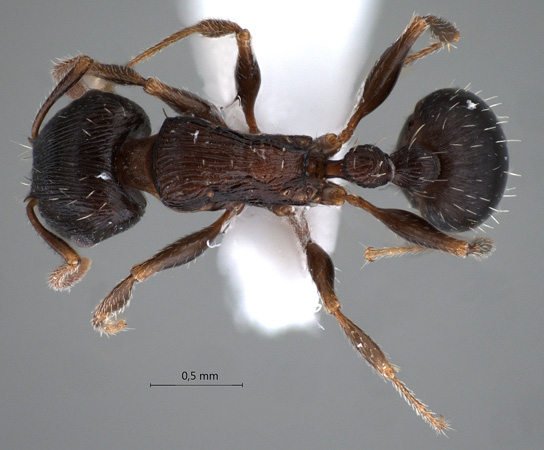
197, 384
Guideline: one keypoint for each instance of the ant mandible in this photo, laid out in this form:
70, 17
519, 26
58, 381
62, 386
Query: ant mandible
96, 155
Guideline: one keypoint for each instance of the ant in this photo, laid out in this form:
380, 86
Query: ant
94, 158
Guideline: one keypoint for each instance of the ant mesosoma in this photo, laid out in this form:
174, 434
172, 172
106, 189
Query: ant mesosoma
96, 155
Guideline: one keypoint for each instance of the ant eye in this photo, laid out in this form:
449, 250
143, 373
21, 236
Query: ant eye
408, 125
462, 132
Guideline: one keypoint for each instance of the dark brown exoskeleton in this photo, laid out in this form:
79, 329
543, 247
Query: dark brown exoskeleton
94, 158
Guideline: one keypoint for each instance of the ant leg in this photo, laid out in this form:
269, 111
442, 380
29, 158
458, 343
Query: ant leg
247, 76
183, 102
382, 78
248, 79
70, 80
409, 226
247, 73
419, 232
180, 252
63, 66
372, 254
321, 269
441, 29
179, 100
479, 247
74, 268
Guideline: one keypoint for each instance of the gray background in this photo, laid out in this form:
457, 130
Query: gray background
467, 334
